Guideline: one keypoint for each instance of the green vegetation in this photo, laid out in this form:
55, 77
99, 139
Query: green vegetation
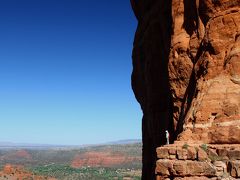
196, 148
65, 172
56, 162
214, 158
185, 146
41, 157
204, 147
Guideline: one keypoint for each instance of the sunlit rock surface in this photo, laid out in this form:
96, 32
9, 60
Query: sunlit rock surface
186, 73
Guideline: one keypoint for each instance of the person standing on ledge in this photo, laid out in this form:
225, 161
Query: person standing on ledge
167, 137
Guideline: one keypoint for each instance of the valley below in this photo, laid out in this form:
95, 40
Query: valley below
111, 161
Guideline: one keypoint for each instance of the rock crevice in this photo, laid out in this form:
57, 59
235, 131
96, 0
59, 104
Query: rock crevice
186, 72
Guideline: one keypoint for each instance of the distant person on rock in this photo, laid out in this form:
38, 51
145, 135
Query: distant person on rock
167, 136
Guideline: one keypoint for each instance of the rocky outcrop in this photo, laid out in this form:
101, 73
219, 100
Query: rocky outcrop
198, 161
11, 172
186, 72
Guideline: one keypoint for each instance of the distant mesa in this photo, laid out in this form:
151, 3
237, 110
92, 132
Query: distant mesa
23, 154
19, 154
101, 159
126, 141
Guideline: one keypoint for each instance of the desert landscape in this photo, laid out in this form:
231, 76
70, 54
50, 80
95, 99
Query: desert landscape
113, 161
88, 72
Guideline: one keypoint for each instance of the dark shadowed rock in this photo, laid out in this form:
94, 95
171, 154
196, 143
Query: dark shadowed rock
186, 73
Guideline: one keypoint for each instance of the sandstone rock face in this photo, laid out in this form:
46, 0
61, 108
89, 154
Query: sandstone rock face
186, 72
205, 86
217, 162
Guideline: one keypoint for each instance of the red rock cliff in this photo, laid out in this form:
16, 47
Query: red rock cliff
186, 72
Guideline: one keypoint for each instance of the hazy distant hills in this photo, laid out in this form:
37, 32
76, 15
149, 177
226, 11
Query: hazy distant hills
113, 160
32, 145
11, 144
109, 155
126, 141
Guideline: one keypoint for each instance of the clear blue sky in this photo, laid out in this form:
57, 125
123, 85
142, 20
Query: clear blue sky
65, 68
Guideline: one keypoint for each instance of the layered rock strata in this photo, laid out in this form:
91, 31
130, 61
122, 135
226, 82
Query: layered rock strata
198, 162
186, 72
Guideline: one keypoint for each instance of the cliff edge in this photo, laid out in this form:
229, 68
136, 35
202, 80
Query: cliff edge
186, 74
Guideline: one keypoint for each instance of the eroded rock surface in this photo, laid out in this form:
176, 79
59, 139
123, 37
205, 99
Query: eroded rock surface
198, 161
186, 72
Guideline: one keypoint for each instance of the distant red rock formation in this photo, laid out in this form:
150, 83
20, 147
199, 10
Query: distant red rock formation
13, 172
8, 169
19, 154
23, 154
101, 159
